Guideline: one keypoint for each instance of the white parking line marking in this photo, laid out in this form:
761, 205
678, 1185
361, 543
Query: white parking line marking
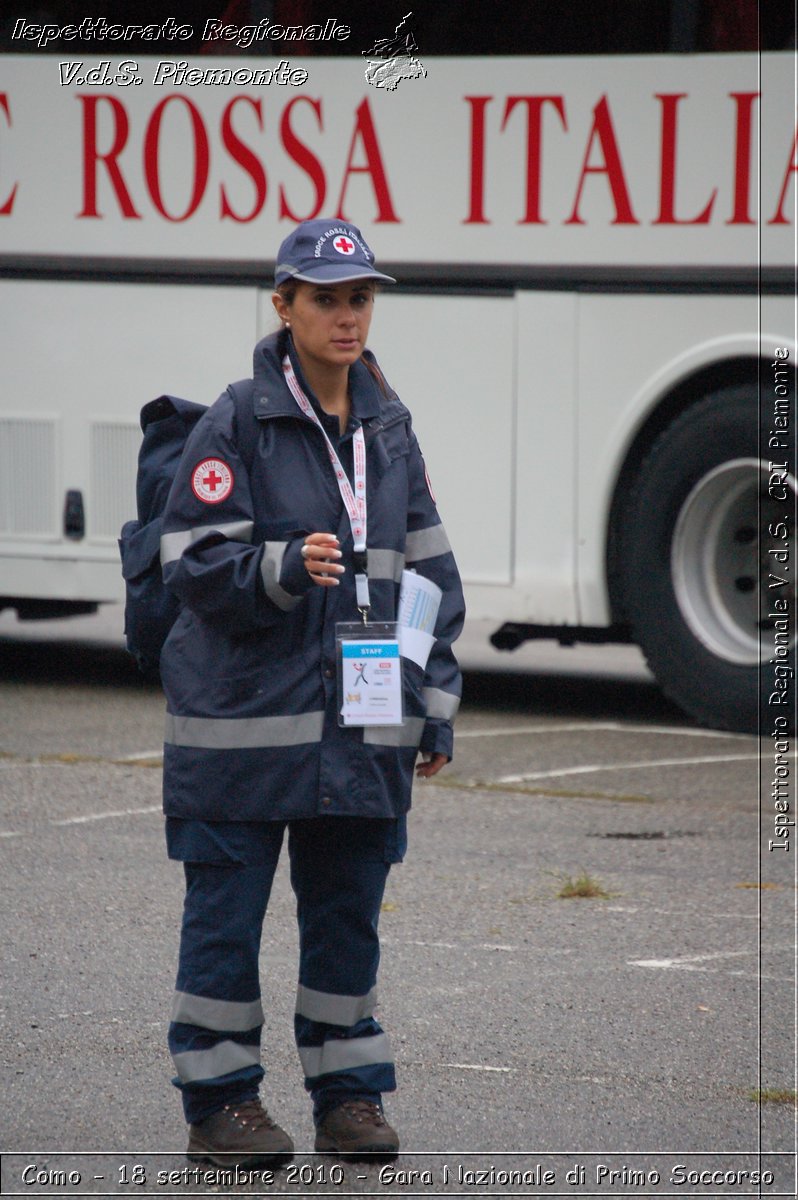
604, 726
688, 963
674, 729
430, 945
594, 768
460, 1066
122, 812
89, 817
502, 946
512, 730
695, 963
725, 916
470, 1067
681, 912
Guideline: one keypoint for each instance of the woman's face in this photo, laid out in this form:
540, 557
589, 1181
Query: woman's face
329, 322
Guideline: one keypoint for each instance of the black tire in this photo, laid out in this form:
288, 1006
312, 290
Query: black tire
695, 553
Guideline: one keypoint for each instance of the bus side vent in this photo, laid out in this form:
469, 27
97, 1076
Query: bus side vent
27, 477
114, 460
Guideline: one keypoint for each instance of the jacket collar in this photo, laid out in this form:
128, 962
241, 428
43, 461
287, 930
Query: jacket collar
272, 398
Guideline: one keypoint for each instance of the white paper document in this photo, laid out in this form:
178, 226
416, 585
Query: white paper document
419, 601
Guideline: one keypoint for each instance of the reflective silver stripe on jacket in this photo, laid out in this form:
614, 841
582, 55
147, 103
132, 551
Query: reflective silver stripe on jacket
342, 1054
270, 567
221, 1059
173, 544
440, 703
225, 1016
243, 733
385, 564
408, 734
426, 543
332, 1009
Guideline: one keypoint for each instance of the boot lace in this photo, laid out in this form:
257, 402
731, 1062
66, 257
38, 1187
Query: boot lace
365, 1111
251, 1114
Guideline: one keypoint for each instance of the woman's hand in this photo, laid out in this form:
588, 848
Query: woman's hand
430, 765
321, 553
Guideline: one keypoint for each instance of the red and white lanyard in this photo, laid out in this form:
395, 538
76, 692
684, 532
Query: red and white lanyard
354, 501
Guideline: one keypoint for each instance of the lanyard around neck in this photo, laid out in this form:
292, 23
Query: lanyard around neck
354, 500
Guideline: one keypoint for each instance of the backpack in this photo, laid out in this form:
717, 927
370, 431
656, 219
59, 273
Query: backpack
150, 608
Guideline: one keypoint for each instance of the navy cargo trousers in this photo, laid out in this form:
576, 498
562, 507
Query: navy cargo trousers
339, 867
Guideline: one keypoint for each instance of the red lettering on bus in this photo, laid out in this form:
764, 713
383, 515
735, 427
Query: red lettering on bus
603, 132
742, 158
667, 179
476, 211
246, 158
364, 128
304, 158
7, 208
151, 158
92, 156
778, 217
534, 147
107, 153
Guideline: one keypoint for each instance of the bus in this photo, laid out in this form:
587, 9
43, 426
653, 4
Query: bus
593, 228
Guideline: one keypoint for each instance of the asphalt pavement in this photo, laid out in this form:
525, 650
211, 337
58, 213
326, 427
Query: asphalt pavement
598, 1045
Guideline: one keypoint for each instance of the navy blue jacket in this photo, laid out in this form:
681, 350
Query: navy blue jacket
249, 667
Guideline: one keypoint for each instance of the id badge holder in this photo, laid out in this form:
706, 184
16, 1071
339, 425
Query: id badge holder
369, 673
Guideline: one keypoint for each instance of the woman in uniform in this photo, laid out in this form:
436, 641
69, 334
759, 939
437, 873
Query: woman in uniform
296, 507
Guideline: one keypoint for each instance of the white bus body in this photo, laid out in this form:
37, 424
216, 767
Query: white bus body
590, 254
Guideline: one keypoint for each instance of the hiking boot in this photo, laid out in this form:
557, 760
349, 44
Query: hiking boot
239, 1135
357, 1128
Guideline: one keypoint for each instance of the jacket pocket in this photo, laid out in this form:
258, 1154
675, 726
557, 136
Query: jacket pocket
207, 842
413, 689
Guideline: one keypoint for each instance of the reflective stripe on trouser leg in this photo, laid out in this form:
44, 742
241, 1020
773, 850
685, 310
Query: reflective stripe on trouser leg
338, 872
214, 1035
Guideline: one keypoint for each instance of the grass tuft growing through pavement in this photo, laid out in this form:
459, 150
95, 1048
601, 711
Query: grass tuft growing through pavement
584, 886
774, 1096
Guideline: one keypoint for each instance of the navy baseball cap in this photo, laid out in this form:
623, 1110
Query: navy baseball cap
326, 251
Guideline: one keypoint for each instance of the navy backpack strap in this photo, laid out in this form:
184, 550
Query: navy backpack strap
246, 421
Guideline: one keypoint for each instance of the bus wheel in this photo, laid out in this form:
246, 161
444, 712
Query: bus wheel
699, 573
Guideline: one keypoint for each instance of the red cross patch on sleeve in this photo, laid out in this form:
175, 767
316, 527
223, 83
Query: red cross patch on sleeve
212, 481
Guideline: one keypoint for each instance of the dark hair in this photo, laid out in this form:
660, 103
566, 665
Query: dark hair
287, 290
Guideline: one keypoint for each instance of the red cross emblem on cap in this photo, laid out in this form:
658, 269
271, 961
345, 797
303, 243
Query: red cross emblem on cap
343, 245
